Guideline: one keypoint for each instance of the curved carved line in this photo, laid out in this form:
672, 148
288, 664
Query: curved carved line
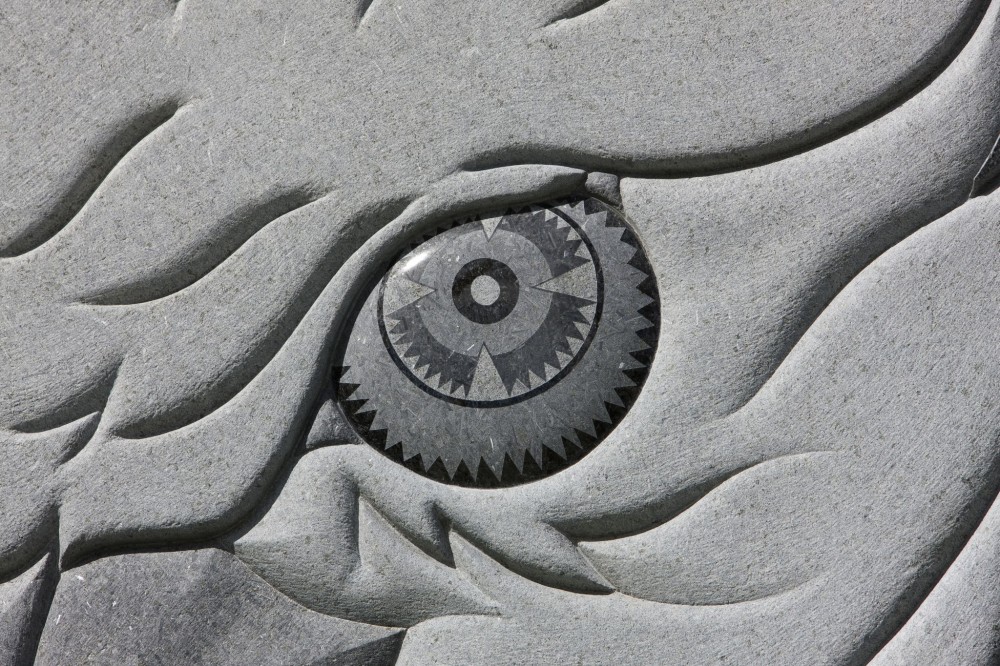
466, 546
679, 503
819, 301
921, 587
103, 162
752, 156
91, 401
361, 12
249, 221
439, 551
988, 178
582, 7
401, 211
41, 593
198, 407
839, 277
820, 298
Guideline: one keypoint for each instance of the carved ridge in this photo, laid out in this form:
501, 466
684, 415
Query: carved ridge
102, 164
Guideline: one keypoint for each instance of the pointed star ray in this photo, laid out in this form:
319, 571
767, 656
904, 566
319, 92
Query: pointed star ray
401, 291
580, 282
490, 226
486, 382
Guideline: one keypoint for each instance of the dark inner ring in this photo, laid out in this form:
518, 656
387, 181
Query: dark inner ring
461, 291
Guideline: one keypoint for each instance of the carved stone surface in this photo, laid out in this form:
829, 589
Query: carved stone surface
503, 349
534, 331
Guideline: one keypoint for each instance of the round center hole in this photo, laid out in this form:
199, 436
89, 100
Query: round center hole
485, 290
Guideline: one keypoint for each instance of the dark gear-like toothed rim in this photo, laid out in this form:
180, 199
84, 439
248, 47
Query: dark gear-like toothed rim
504, 442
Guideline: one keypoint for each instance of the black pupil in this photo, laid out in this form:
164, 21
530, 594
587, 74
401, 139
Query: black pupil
485, 290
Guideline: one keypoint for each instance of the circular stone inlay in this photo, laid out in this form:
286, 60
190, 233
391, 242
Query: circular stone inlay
485, 290
504, 348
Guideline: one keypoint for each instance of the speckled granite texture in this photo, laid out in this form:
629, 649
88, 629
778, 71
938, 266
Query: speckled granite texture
524, 332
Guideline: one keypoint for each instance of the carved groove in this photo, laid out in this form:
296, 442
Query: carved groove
439, 552
707, 164
608, 528
90, 401
946, 553
582, 7
198, 406
840, 274
102, 163
988, 178
838, 277
361, 12
244, 224
38, 610
241, 227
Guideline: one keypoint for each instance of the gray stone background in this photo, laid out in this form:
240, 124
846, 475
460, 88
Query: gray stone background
194, 194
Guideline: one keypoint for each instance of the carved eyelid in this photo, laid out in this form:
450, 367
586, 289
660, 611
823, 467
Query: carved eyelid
468, 192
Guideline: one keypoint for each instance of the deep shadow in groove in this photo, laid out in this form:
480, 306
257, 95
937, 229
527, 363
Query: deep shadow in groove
361, 12
91, 400
41, 603
218, 531
102, 162
838, 273
624, 525
690, 166
223, 537
582, 7
239, 228
988, 178
924, 583
199, 405
382, 652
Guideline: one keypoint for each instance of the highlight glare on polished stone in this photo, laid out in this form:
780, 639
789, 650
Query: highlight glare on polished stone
521, 339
